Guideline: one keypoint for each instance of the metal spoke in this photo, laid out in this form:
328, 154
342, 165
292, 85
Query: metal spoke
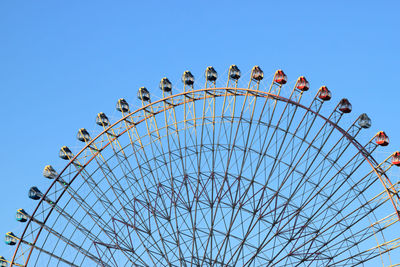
219, 176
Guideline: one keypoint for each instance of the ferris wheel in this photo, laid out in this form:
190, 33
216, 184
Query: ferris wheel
218, 176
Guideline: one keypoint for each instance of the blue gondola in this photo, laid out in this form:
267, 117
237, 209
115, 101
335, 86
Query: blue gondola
10, 239
234, 72
122, 105
188, 78
21, 215
257, 74
211, 74
65, 153
143, 94
165, 85
34, 193
3, 262
102, 119
83, 135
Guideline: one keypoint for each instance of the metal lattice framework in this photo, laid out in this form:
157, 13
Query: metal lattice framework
222, 176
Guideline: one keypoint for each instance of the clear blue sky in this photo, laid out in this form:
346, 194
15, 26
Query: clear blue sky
62, 62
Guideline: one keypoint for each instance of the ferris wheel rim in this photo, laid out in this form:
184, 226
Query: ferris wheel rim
256, 93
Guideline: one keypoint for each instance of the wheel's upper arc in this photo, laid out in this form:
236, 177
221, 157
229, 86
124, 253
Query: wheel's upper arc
239, 91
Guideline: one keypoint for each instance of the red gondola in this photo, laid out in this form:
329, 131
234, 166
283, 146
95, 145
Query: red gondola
381, 139
324, 93
302, 84
280, 77
345, 106
396, 158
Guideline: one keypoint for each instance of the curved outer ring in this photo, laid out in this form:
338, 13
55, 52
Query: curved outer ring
368, 157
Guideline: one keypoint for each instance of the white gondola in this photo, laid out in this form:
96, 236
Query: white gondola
364, 121
49, 172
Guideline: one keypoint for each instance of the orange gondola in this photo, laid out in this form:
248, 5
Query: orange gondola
280, 77
302, 84
324, 93
381, 139
345, 106
396, 158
